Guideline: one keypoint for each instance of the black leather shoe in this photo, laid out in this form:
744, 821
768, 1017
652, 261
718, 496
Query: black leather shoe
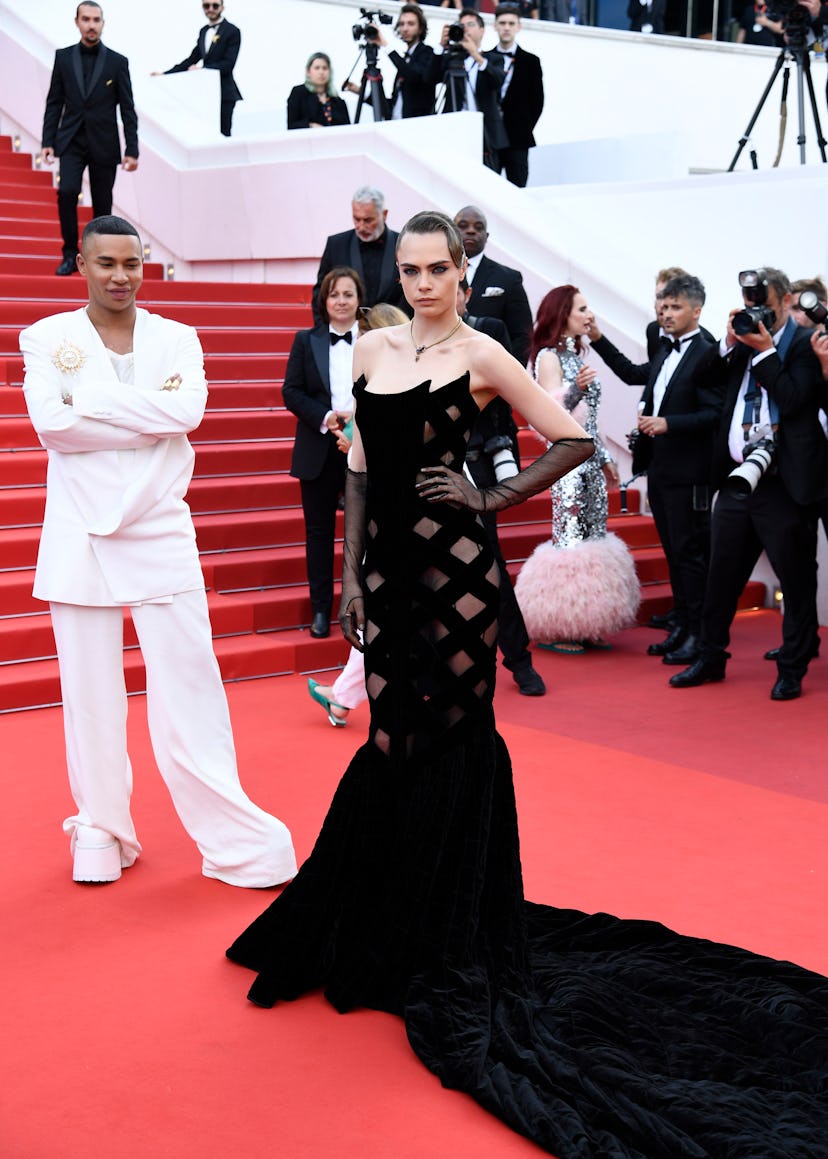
702, 672
786, 688
529, 682
686, 654
775, 653
320, 626
68, 266
669, 643
772, 653
666, 621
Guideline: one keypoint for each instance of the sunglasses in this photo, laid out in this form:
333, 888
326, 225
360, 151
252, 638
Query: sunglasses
207, 7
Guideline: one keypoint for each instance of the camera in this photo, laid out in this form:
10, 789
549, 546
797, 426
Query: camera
503, 457
456, 33
758, 458
796, 22
754, 285
367, 30
811, 306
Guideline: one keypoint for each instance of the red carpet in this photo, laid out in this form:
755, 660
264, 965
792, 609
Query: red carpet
126, 1030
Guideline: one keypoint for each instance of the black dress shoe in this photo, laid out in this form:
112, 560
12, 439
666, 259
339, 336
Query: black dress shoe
68, 266
667, 620
686, 654
775, 653
786, 688
320, 626
669, 643
702, 672
529, 682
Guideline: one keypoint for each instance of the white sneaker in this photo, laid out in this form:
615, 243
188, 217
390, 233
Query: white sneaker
97, 855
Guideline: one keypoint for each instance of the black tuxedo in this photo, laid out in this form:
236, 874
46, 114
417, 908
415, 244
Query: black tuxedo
779, 515
415, 79
521, 108
639, 15
678, 462
511, 306
487, 98
80, 124
304, 109
316, 461
653, 335
221, 54
345, 249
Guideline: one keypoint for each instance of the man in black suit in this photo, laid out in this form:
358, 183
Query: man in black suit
521, 95
493, 455
473, 81
497, 290
773, 390
217, 47
369, 248
412, 94
89, 82
678, 413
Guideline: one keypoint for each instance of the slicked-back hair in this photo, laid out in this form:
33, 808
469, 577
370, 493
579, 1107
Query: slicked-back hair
109, 225
369, 195
88, 4
685, 286
328, 282
430, 221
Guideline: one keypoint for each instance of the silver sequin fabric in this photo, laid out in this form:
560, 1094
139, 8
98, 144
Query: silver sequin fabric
579, 499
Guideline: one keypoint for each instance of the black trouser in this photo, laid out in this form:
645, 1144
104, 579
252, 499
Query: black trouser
516, 164
320, 502
512, 637
226, 117
101, 181
685, 537
741, 528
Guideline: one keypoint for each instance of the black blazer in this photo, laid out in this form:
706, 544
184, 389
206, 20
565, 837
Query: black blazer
639, 15
416, 79
796, 385
307, 394
304, 109
222, 54
692, 404
69, 109
523, 103
486, 94
342, 249
653, 334
511, 305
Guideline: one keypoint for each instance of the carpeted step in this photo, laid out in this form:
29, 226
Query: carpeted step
39, 287
226, 425
245, 457
239, 531
226, 316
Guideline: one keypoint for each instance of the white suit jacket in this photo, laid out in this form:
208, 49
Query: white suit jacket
117, 529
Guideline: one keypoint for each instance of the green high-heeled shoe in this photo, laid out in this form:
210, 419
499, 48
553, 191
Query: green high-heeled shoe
315, 694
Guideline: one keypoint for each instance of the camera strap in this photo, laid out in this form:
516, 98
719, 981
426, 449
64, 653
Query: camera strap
753, 397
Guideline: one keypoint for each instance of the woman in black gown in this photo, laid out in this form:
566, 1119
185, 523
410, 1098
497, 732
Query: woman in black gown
596, 1037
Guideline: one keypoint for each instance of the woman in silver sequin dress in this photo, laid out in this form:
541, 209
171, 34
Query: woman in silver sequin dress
581, 585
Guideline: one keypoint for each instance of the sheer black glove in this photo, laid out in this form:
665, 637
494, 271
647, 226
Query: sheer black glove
445, 486
352, 605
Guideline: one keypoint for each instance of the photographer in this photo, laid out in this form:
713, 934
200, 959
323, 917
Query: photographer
472, 80
760, 25
412, 94
773, 384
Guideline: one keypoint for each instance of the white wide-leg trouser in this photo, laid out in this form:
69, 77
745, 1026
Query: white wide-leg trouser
190, 729
349, 687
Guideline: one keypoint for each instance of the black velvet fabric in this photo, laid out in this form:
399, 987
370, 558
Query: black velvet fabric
597, 1037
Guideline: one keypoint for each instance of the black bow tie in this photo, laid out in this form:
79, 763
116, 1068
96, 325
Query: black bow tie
511, 54
673, 343
336, 337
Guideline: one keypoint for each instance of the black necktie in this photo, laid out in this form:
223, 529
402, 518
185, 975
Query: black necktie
336, 337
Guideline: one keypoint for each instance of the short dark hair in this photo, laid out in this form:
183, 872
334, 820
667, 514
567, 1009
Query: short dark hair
507, 10
815, 285
778, 279
109, 225
417, 11
328, 282
685, 286
87, 4
471, 12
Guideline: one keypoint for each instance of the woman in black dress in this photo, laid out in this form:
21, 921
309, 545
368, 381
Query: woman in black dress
315, 104
597, 1038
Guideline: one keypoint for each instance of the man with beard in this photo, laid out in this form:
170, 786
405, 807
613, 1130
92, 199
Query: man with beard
217, 47
413, 92
369, 248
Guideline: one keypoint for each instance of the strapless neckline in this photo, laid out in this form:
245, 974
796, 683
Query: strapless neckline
362, 384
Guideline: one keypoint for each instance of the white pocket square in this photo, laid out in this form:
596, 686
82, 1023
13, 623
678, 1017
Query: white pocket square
493, 291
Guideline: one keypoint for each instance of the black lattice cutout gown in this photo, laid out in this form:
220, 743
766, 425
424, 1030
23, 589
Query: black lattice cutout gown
596, 1037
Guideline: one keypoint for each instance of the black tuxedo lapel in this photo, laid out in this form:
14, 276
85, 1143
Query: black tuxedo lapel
389, 261
686, 366
655, 371
356, 257
77, 69
97, 71
320, 345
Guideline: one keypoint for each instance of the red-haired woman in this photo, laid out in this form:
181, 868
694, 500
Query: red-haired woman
581, 585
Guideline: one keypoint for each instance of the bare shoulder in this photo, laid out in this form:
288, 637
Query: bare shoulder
375, 345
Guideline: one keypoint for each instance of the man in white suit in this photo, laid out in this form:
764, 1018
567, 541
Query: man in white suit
112, 392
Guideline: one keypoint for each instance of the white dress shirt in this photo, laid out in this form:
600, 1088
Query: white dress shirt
668, 369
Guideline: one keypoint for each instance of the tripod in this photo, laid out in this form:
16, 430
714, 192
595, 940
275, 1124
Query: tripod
370, 88
801, 58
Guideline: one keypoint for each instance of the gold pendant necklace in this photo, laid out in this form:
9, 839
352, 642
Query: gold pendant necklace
418, 350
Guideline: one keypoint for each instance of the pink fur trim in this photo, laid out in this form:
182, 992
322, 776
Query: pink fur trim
580, 592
